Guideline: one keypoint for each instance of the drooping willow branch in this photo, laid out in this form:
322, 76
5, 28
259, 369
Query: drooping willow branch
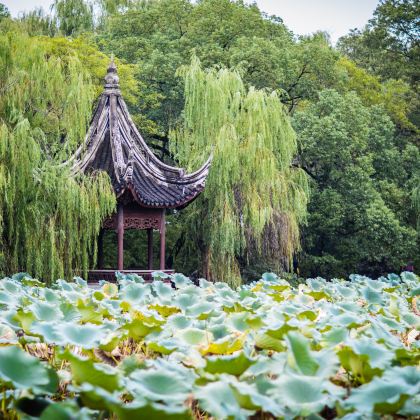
49, 220
252, 192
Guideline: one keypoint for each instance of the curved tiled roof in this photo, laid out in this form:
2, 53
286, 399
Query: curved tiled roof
113, 144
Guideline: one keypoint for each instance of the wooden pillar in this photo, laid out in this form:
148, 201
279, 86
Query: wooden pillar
120, 236
150, 249
100, 263
162, 241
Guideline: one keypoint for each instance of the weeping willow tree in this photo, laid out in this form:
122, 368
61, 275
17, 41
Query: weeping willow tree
73, 16
254, 200
49, 221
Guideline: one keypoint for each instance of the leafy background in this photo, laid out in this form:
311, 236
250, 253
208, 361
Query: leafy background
171, 349
354, 107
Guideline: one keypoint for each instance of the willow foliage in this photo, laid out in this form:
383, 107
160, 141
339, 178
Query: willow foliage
48, 220
254, 200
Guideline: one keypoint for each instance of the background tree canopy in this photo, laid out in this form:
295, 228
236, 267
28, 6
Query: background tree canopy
353, 109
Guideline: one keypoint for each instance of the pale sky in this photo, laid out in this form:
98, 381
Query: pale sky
336, 17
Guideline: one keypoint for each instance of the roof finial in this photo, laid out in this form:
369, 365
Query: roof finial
111, 78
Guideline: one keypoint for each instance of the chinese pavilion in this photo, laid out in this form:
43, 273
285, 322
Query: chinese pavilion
144, 186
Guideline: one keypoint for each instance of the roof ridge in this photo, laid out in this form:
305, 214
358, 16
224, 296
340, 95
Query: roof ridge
132, 161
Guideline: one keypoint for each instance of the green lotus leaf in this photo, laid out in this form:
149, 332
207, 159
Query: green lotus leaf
46, 311
238, 321
180, 280
96, 374
267, 342
24, 319
25, 371
317, 285
67, 410
133, 277
346, 292
392, 324
269, 276
319, 295
49, 331
411, 407
159, 275
110, 289
357, 364
164, 310
135, 292
280, 287
150, 411
243, 394
201, 310
218, 399
98, 295
138, 328
311, 315
280, 330
407, 357
89, 312
379, 356
249, 397
185, 300
219, 331
163, 290
112, 340
96, 397
178, 321
348, 320
131, 363
163, 346
64, 285
87, 336
273, 365
149, 317
51, 296
385, 395
255, 322
371, 295
235, 364
194, 336
302, 395
82, 283
224, 346
160, 385
301, 354
334, 336
27, 280
70, 312
11, 286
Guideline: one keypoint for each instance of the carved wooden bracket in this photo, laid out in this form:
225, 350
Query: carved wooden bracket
134, 222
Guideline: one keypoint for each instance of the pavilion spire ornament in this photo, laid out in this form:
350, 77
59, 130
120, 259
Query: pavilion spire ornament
111, 79
144, 186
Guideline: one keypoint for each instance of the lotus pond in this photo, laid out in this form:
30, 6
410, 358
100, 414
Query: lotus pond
171, 349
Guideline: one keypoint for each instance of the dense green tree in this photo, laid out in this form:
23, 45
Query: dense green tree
389, 46
161, 36
49, 220
355, 221
73, 16
4, 11
396, 96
